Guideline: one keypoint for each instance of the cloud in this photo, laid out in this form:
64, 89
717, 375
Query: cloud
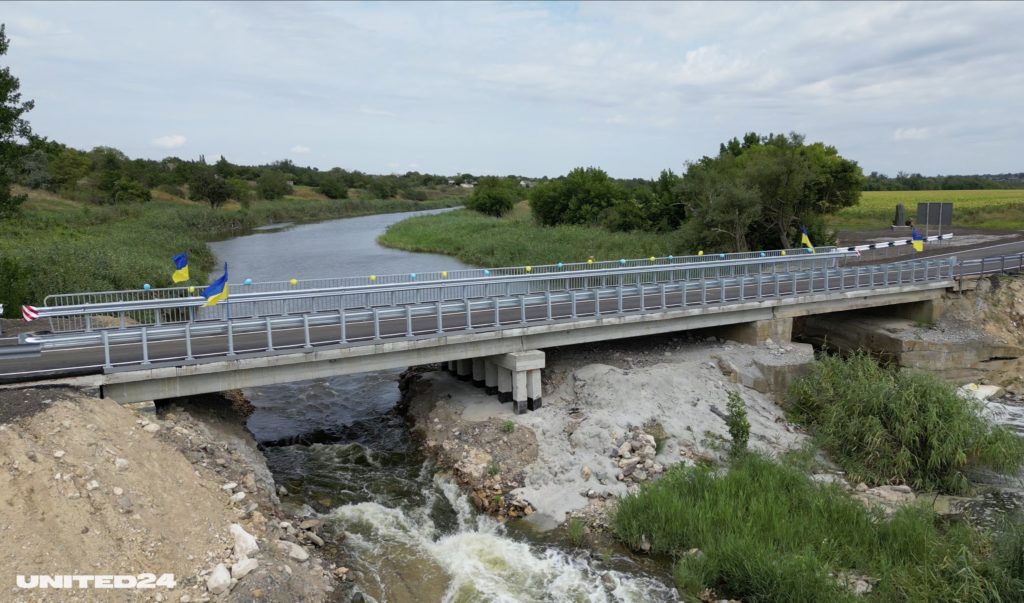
171, 141
911, 134
299, 150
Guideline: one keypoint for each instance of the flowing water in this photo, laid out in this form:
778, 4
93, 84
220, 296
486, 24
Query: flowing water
412, 536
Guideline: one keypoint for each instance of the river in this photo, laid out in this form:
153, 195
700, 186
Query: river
412, 536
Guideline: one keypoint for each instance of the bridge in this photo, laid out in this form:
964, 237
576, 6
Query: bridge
485, 325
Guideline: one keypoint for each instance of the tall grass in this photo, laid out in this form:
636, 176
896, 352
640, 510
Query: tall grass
886, 425
993, 209
57, 245
516, 240
767, 533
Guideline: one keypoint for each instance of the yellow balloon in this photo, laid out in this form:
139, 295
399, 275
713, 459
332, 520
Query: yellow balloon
652, 258
783, 253
701, 252
590, 260
444, 274
529, 268
373, 277
294, 282
191, 289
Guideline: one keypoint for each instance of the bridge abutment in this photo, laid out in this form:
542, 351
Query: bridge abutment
779, 330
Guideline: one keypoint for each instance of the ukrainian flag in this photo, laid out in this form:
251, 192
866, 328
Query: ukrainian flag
180, 267
805, 239
218, 289
917, 240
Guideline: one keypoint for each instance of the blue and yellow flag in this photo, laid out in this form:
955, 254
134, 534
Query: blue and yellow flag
917, 240
180, 267
805, 239
217, 291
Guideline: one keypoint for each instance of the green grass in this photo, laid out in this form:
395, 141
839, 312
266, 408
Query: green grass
885, 425
990, 209
576, 529
516, 240
508, 426
57, 245
767, 533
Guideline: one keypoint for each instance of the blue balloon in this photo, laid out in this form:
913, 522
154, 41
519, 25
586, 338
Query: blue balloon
247, 281
762, 254
412, 275
487, 273
559, 264
721, 256
809, 250
670, 258
623, 262
146, 286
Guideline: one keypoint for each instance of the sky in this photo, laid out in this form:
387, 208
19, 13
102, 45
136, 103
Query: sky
533, 89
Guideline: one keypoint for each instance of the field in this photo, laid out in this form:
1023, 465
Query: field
59, 245
987, 209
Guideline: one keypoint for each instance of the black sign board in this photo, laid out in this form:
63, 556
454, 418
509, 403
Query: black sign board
934, 214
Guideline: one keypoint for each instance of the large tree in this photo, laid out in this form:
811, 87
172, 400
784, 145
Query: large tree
13, 128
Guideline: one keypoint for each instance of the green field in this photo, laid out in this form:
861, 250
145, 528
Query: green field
989, 209
58, 245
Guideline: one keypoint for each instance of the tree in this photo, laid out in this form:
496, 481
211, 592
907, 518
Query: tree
721, 206
273, 185
494, 196
13, 127
206, 186
333, 186
35, 170
127, 191
579, 198
68, 167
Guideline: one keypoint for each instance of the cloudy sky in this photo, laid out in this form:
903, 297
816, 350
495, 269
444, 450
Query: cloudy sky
525, 88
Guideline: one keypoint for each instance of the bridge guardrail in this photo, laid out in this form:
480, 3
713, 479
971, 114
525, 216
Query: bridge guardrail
370, 325
165, 307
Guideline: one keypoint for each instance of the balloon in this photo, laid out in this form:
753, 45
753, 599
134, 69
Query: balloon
590, 260
560, 264
529, 268
146, 286
762, 254
248, 281
700, 252
191, 289
444, 274
622, 262
373, 277
652, 258
293, 282
412, 276
721, 256
487, 273
783, 252
670, 258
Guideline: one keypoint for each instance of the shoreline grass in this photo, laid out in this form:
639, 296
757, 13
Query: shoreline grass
765, 532
56, 245
515, 240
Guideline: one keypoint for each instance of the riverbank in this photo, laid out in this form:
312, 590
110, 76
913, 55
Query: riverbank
57, 245
92, 487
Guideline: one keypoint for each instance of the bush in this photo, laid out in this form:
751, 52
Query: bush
887, 425
333, 187
494, 196
767, 533
130, 191
580, 198
174, 191
736, 420
272, 184
414, 194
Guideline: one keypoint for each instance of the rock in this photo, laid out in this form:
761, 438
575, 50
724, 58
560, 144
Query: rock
291, 549
245, 543
606, 578
645, 545
314, 538
219, 580
58, 454
625, 451
341, 573
124, 503
229, 486
640, 476
585, 473
242, 568
118, 491
185, 599
657, 468
121, 464
92, 485
901, 488
238, 497
151, 428
861, 487
31, 454
648, 452
310, 524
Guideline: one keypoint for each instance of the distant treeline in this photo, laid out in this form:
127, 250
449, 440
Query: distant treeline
916, 182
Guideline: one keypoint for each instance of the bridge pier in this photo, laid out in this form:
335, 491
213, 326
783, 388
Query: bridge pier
464, 369
779, 330
519, 379
490, 377
504, 385
478, 372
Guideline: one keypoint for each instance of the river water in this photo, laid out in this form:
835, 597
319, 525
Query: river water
412, 536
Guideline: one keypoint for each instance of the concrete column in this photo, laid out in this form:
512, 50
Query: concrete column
490, 377
533, 396
464, 369
478, 372
779, 330
504, 384
519, 392
450, 366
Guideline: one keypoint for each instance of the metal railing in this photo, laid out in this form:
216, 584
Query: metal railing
419, 319
168, 306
